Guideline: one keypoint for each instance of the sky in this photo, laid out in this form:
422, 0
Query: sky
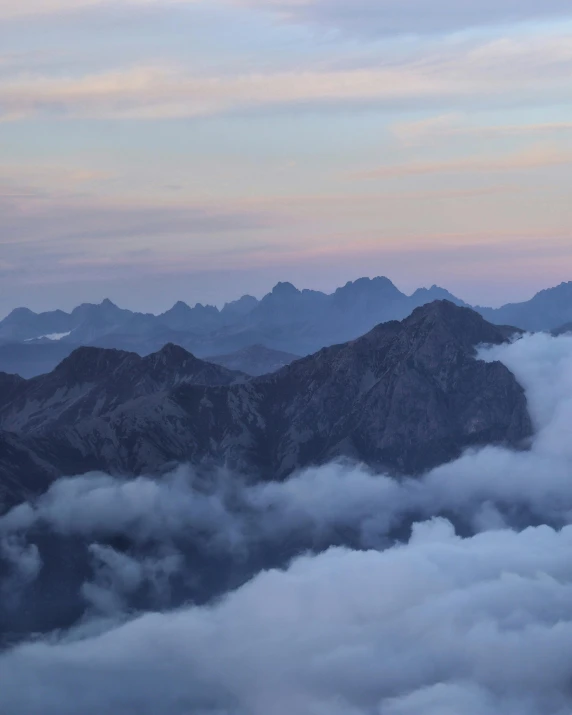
157, 150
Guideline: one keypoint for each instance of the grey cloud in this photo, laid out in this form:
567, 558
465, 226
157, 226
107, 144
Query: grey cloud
423, 628
118, 576
22, 564
391, 17
81, 219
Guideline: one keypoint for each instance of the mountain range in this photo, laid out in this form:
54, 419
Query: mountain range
404, 397
256, 336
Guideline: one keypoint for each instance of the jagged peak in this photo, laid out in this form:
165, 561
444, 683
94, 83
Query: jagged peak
442, 322
20, 312
242, 305
443, 309
105, 304
285, 288
205, 308
565, 286
173, 352
87, 362
366, 284
464, 324
179, 307
433, 289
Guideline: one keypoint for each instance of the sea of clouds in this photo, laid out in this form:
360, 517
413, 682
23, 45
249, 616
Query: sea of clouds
337, 592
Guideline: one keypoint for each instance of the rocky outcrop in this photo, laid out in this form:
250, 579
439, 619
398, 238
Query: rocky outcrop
93, 382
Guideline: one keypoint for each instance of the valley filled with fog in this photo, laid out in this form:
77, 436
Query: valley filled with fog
338, 591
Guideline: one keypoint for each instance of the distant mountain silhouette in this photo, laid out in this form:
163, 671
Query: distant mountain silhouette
547, 310
288, 320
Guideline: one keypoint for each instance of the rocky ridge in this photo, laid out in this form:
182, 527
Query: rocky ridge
404, 397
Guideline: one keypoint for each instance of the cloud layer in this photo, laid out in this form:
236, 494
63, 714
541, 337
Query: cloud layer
423, 629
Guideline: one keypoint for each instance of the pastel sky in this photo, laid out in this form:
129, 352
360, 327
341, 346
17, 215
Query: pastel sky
156, 150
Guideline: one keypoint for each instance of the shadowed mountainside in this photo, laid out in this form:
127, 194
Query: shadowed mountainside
404, 397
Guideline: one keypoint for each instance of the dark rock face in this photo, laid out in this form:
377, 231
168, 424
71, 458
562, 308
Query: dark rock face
404, 397
23, 471
92, 382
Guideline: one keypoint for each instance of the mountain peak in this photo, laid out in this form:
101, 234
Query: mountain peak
172, 352
242, 306
464, 325
445, 311
442, 309
21, 313
370, 285
201, 308
179, 307
285, 289
86, 363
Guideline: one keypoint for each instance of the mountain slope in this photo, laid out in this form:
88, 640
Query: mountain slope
547, 310
92, 382
404, 397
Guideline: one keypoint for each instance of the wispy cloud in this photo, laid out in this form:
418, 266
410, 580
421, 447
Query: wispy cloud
455, 124
493, 72
365, 17
30, 8
530, 159
390, 17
